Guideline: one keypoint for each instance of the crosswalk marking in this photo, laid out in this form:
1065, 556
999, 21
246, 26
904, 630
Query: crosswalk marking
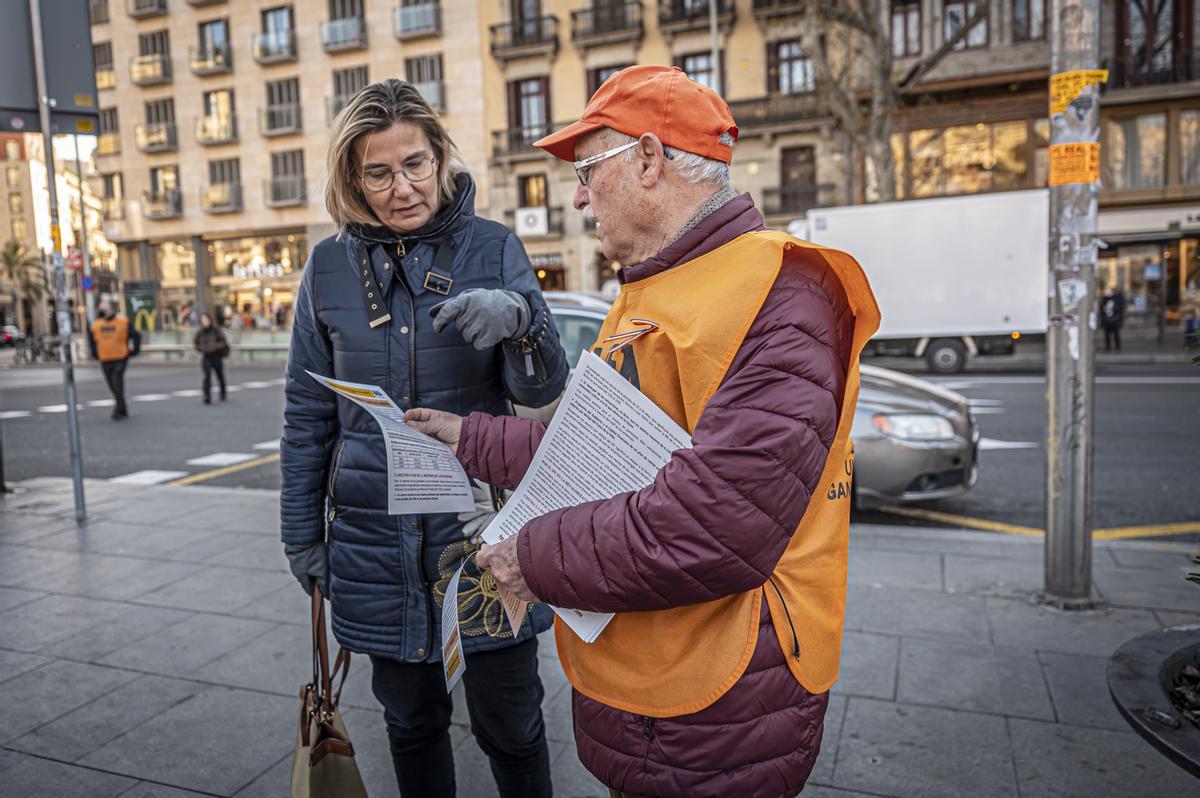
102, 403
150, 397
7, 414
992, 444
270, 446
221, 459
257, 384
148, 477
186, 393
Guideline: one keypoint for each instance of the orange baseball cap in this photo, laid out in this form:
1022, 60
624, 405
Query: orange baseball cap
653, 99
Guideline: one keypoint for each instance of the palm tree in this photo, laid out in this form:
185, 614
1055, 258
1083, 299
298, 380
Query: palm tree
25, 275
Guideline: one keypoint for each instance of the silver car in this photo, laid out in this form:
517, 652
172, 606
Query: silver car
912, 439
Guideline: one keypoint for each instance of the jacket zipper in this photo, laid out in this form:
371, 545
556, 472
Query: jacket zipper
648, 727
787, 614
333, 472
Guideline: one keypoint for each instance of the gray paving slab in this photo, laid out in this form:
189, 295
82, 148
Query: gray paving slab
181, 746
1079, 689
41, 695
279, 661
33, 626
146, 789
1026, 548
14, 663
43, 778
12, 597
895, 569
868, 666
184, 648
979, 546
1150, 556
19, 528
991, 577
858, 602
971, 676
556, 713
286, 604
149, 507
116, 578
813, 790
1165, 588
927, 613
9, 758
835, 715
1060, 761
895, 749
135, 623
23, 566
79, 732
368, 733
1172, 618
257, 512
215, 588
271, 784
569, 777
1020, 624
245, 550
472, 771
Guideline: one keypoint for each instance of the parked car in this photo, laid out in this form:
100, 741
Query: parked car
913, 440
10, 335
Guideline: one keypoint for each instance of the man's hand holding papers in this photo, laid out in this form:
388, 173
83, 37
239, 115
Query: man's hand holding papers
501, 558
446, 427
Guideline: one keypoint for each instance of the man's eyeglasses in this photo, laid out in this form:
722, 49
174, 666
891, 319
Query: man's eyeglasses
380, 178
583, 169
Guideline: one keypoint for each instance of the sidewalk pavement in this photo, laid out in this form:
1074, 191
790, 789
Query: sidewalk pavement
158, 651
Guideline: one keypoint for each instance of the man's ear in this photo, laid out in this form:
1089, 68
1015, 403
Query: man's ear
651, 160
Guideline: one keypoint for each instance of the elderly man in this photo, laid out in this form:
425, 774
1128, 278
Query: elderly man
728, 573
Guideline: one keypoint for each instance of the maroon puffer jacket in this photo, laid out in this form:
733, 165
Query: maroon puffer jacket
714, 522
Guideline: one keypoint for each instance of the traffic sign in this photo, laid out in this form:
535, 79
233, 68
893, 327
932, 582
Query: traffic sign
87, 282
74, 259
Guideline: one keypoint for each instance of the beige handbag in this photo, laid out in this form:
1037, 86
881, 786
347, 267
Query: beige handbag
323, 764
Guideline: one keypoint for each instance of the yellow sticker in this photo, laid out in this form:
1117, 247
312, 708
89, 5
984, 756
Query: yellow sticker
56, 237
1074, 162
83, 100
85, 126
1065, 86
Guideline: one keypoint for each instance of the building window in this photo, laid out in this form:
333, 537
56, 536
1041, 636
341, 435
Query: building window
277, 23
12, 150
218, 104
968, 159
98, 11
102, 57
112, 186
906, 28
155, 43
1029, 20
532, 191
957, 13
214, 38
1147, 34
160, 112
283, 93
699, 67
164, 179
12, 177
789, 70
597, 76
1135, 152
1189, 147
797, 180
287, 164
529, 107
16, 204
20, 231
108, 121
349, 82
425, 74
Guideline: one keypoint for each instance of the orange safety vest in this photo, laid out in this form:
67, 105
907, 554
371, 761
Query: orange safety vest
671, 662
112, 338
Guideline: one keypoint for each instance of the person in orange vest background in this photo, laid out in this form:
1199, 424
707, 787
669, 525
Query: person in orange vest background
112, 341
727, 575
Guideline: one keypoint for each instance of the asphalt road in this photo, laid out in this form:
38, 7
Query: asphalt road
1147, 437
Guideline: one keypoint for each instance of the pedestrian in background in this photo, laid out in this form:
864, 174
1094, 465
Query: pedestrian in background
112, 341
418, 295
213, 348
1112, 316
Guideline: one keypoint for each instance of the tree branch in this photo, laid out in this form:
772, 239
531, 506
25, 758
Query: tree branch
923, 67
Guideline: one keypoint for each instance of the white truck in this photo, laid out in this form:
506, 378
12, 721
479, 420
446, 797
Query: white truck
955, 277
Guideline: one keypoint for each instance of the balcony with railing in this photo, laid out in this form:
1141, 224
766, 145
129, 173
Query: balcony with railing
1132, 71
285, 191
434, 92
202, 3
144, 9
340, 35
108, 144
608, 24
216, 129
766, 9
526, 37
517, 142
150, 70
280, 120
156, 137
797, 199
679, 16
221, 198
274, 47
106, 77
159, 205
423, 19
211, 60
777, 109
554, 223
98, 11
112, 208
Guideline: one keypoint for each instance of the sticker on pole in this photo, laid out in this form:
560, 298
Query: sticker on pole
1066, 86
1074, 162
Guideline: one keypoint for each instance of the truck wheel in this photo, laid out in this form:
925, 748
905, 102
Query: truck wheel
946, 356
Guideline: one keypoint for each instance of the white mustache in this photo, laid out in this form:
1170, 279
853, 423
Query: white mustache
589, 215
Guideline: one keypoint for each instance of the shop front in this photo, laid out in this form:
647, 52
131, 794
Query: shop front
253, 280
549, 270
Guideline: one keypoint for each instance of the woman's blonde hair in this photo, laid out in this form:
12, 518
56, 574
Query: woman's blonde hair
376, 108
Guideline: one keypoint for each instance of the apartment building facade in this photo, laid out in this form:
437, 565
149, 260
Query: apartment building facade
215, 118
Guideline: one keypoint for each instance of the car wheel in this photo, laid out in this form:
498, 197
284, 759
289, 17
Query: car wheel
946, 356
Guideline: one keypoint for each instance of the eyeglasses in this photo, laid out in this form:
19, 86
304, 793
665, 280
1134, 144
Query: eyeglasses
380, 178
583, 169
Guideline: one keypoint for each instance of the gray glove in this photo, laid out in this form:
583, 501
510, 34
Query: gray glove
485, 316
309, 562
477, 520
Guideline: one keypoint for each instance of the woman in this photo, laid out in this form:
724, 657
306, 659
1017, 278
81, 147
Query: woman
440, 308
213, 348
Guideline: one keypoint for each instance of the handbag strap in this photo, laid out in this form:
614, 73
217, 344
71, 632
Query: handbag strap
323, 675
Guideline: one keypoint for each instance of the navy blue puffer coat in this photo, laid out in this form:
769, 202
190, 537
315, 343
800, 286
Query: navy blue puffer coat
388, 573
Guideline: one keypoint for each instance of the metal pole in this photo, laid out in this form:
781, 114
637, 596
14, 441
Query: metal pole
89, 296
60, 275
1070, 351
714, 45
